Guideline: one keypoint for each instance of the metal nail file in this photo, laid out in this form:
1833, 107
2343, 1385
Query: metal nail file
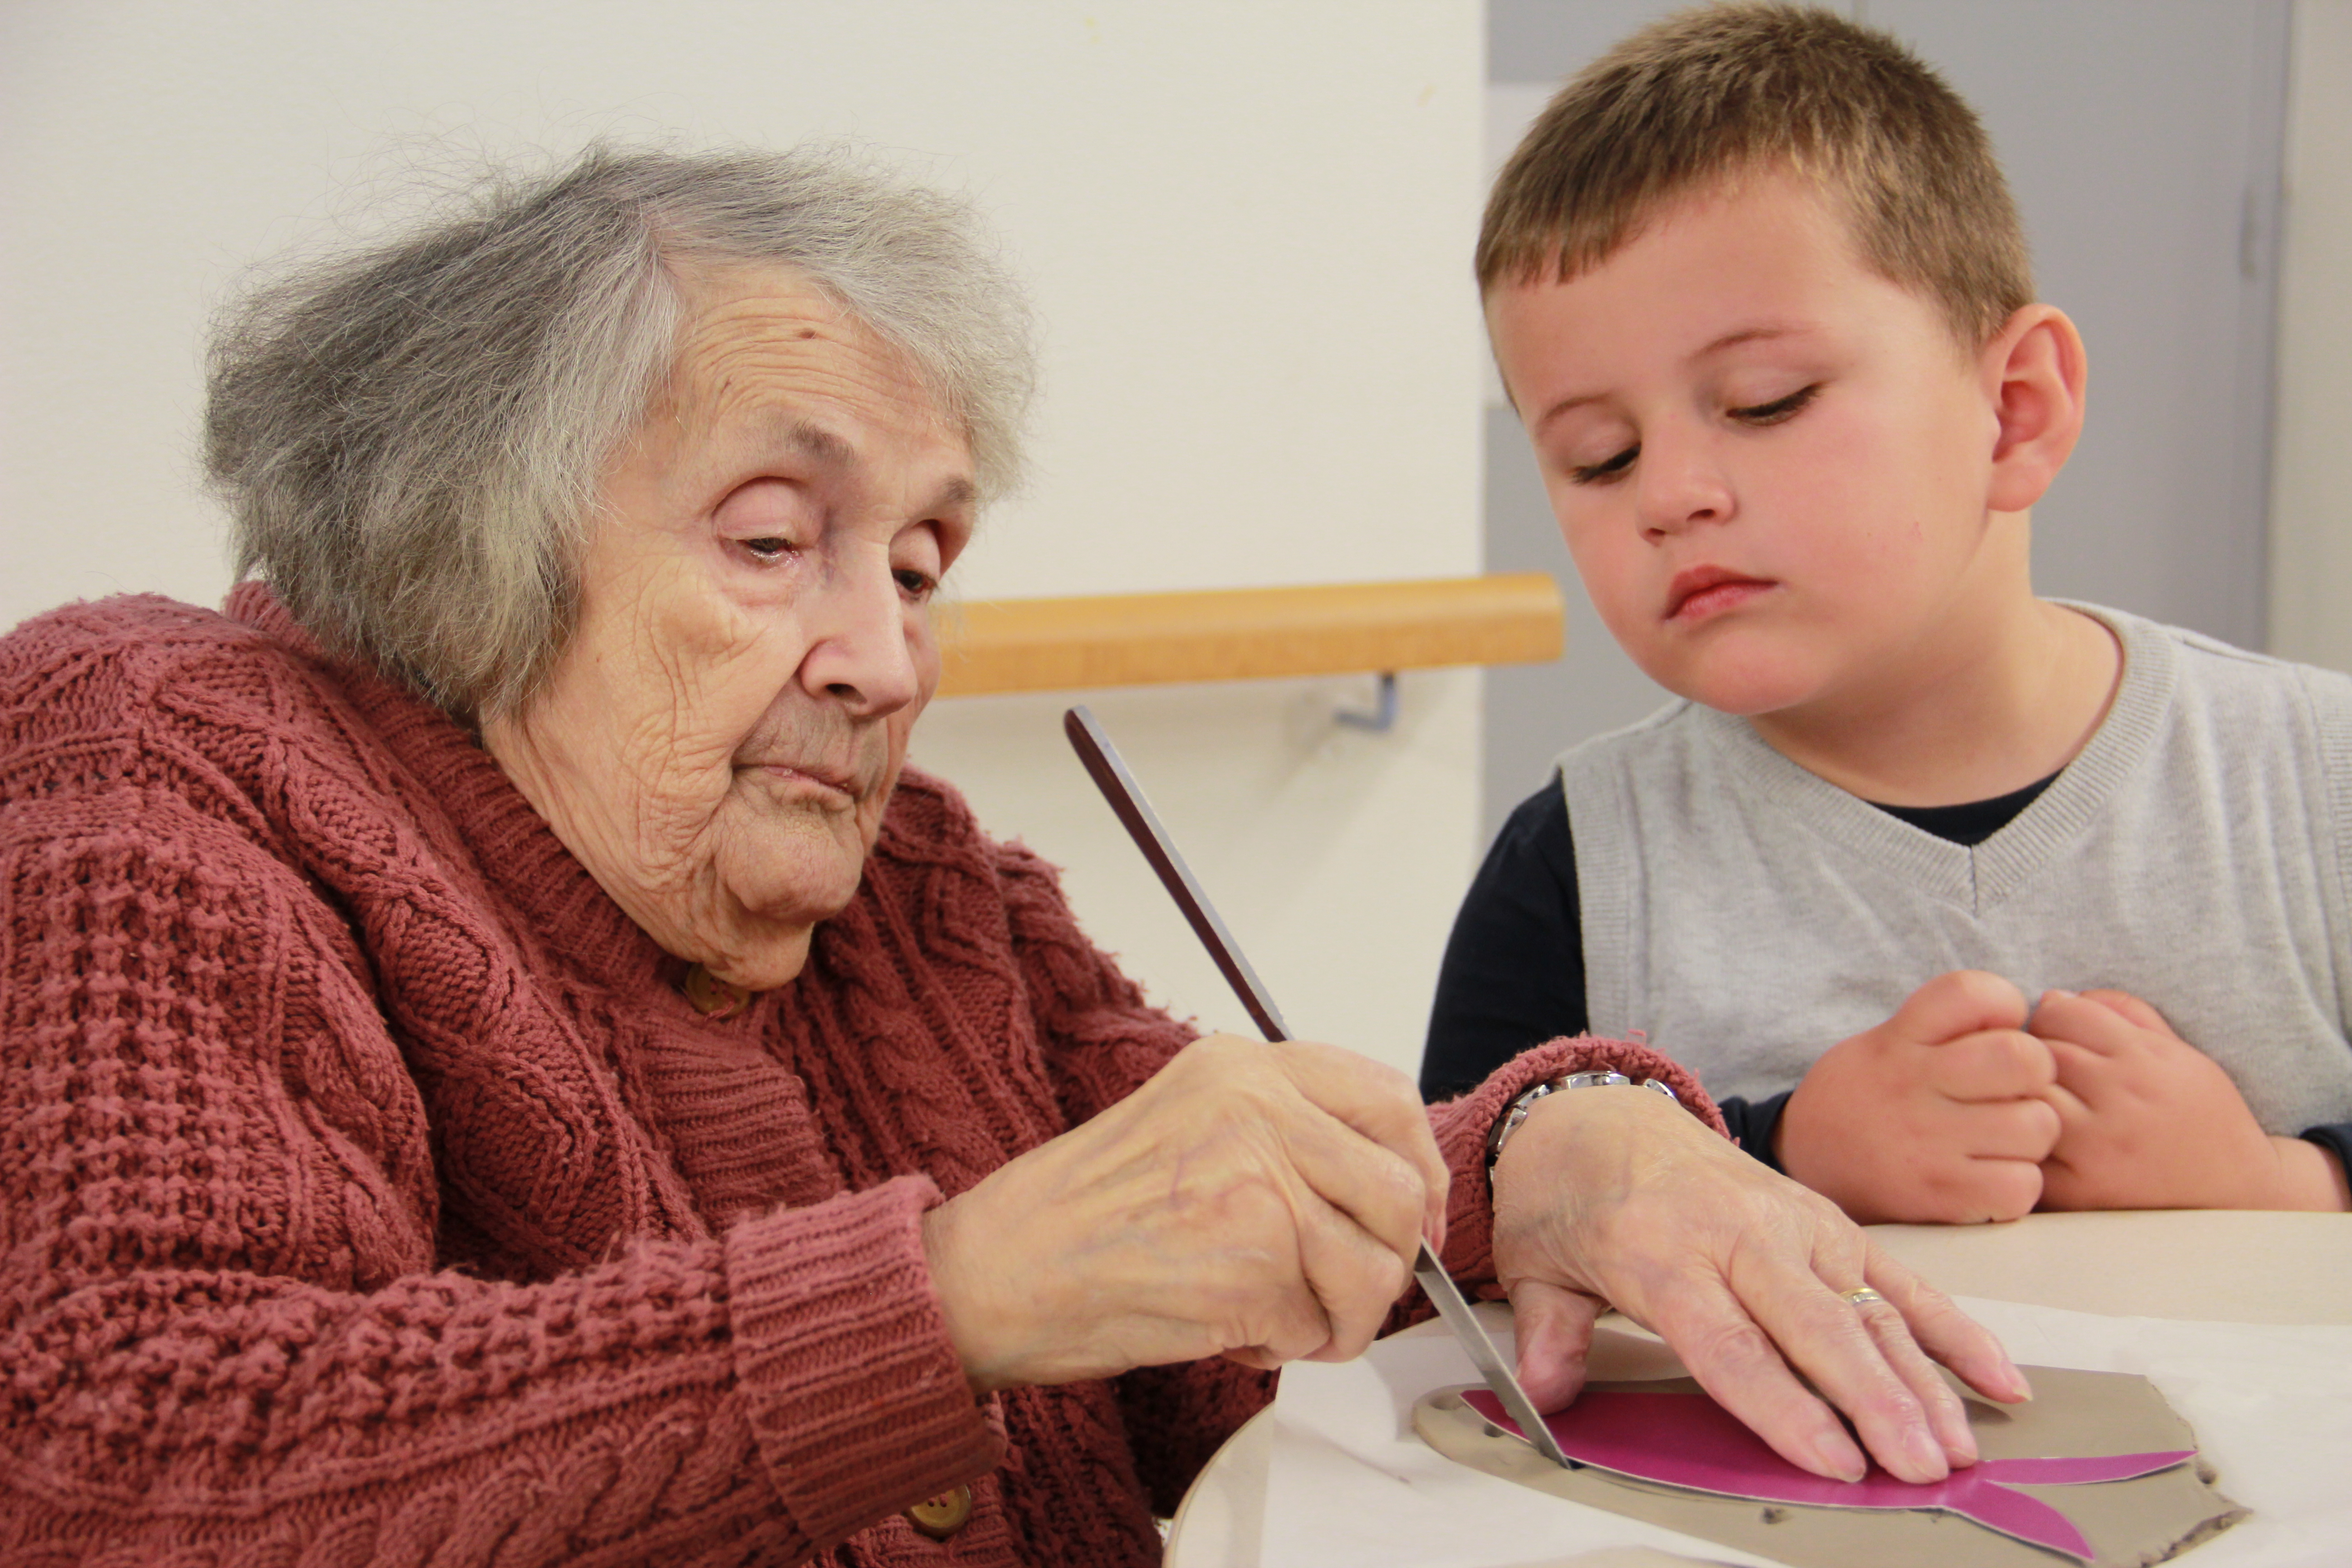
1109, 773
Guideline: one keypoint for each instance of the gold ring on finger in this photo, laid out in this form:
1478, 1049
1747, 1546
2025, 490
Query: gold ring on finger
1862, 1296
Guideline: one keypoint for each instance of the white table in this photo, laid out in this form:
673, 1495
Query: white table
2206, 1265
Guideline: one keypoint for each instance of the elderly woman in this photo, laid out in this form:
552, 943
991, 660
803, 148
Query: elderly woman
501, 1065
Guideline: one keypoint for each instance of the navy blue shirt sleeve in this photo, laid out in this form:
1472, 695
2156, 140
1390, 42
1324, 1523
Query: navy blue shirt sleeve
1514, 970
2336, 1137
1753, 1125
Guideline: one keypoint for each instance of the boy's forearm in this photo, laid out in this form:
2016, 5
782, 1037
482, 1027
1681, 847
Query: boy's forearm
2312, 1176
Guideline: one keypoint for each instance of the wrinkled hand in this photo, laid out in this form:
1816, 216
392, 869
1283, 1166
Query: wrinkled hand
1264, 1202
2147, 1121
1616, 1196
1936, 1116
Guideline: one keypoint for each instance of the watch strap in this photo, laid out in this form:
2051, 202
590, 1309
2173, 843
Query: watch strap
1515, 1113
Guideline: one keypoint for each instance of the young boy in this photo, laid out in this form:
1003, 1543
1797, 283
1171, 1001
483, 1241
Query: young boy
1759, 293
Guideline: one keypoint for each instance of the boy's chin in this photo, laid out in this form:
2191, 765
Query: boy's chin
1745, 689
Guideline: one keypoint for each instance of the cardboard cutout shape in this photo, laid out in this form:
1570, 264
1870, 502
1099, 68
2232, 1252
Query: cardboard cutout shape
2041, 1481
1689, 1440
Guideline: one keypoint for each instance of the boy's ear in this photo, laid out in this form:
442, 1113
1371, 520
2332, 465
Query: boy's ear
2034, 372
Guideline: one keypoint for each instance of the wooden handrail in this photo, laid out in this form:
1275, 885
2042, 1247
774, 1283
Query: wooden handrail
1248, 634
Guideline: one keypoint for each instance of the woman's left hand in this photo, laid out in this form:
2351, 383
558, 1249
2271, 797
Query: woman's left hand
1617, 1197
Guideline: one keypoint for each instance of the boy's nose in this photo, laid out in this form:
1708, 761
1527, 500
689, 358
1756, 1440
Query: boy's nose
1678, 486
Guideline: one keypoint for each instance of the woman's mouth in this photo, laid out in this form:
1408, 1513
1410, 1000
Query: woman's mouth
834, 780
1701, 593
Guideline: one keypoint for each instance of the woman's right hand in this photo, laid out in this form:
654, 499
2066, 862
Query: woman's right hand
1264, 1202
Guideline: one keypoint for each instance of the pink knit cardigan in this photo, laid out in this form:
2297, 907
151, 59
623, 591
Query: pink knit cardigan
370, 1192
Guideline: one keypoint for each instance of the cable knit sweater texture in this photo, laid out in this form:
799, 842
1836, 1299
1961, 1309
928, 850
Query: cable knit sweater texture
371, 1193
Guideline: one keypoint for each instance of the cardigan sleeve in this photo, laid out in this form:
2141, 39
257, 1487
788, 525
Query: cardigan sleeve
1103, 1041
1462, 1126
226, 1335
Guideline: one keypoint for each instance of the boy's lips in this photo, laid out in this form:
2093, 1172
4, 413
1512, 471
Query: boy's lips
1698, 592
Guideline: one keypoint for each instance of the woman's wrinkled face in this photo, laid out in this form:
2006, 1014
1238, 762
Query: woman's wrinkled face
719, 737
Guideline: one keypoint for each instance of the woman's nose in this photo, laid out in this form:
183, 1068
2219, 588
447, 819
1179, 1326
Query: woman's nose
858, 649
1678, 485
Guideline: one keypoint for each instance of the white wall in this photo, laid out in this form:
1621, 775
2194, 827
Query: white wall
2311, 505
1247, 227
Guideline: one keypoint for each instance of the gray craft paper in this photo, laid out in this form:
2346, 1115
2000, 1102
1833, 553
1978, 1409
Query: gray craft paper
2130, 1523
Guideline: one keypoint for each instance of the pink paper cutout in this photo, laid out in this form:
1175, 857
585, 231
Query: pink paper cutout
1689, 1440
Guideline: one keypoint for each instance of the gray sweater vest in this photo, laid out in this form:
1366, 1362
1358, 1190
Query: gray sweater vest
1748, 915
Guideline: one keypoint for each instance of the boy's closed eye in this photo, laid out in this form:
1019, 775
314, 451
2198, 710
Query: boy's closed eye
1779, 409
1607, 469
1758, 414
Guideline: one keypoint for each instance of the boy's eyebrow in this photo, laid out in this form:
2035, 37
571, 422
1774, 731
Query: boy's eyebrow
1563, 406
1731, 340
1747, 335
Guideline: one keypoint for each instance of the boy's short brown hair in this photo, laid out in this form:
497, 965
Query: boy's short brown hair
1720, 91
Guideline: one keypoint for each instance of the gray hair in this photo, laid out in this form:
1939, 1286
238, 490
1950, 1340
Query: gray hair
409, 439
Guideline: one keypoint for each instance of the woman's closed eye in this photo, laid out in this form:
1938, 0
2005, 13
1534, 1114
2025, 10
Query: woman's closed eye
768, 521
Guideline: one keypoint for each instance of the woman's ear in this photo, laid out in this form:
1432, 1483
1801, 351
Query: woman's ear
2034, 372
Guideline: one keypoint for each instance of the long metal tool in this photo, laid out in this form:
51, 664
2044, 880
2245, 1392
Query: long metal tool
1109, 773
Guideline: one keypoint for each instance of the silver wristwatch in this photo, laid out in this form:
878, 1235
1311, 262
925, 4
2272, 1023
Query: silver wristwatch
1516, 1112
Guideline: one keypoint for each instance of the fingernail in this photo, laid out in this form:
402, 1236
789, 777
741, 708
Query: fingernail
1838, 1456
1925, 1456
1960, 1450
2019, 1391
1950, 1420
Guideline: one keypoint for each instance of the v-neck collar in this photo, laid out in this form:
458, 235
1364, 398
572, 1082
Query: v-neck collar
1981, 876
